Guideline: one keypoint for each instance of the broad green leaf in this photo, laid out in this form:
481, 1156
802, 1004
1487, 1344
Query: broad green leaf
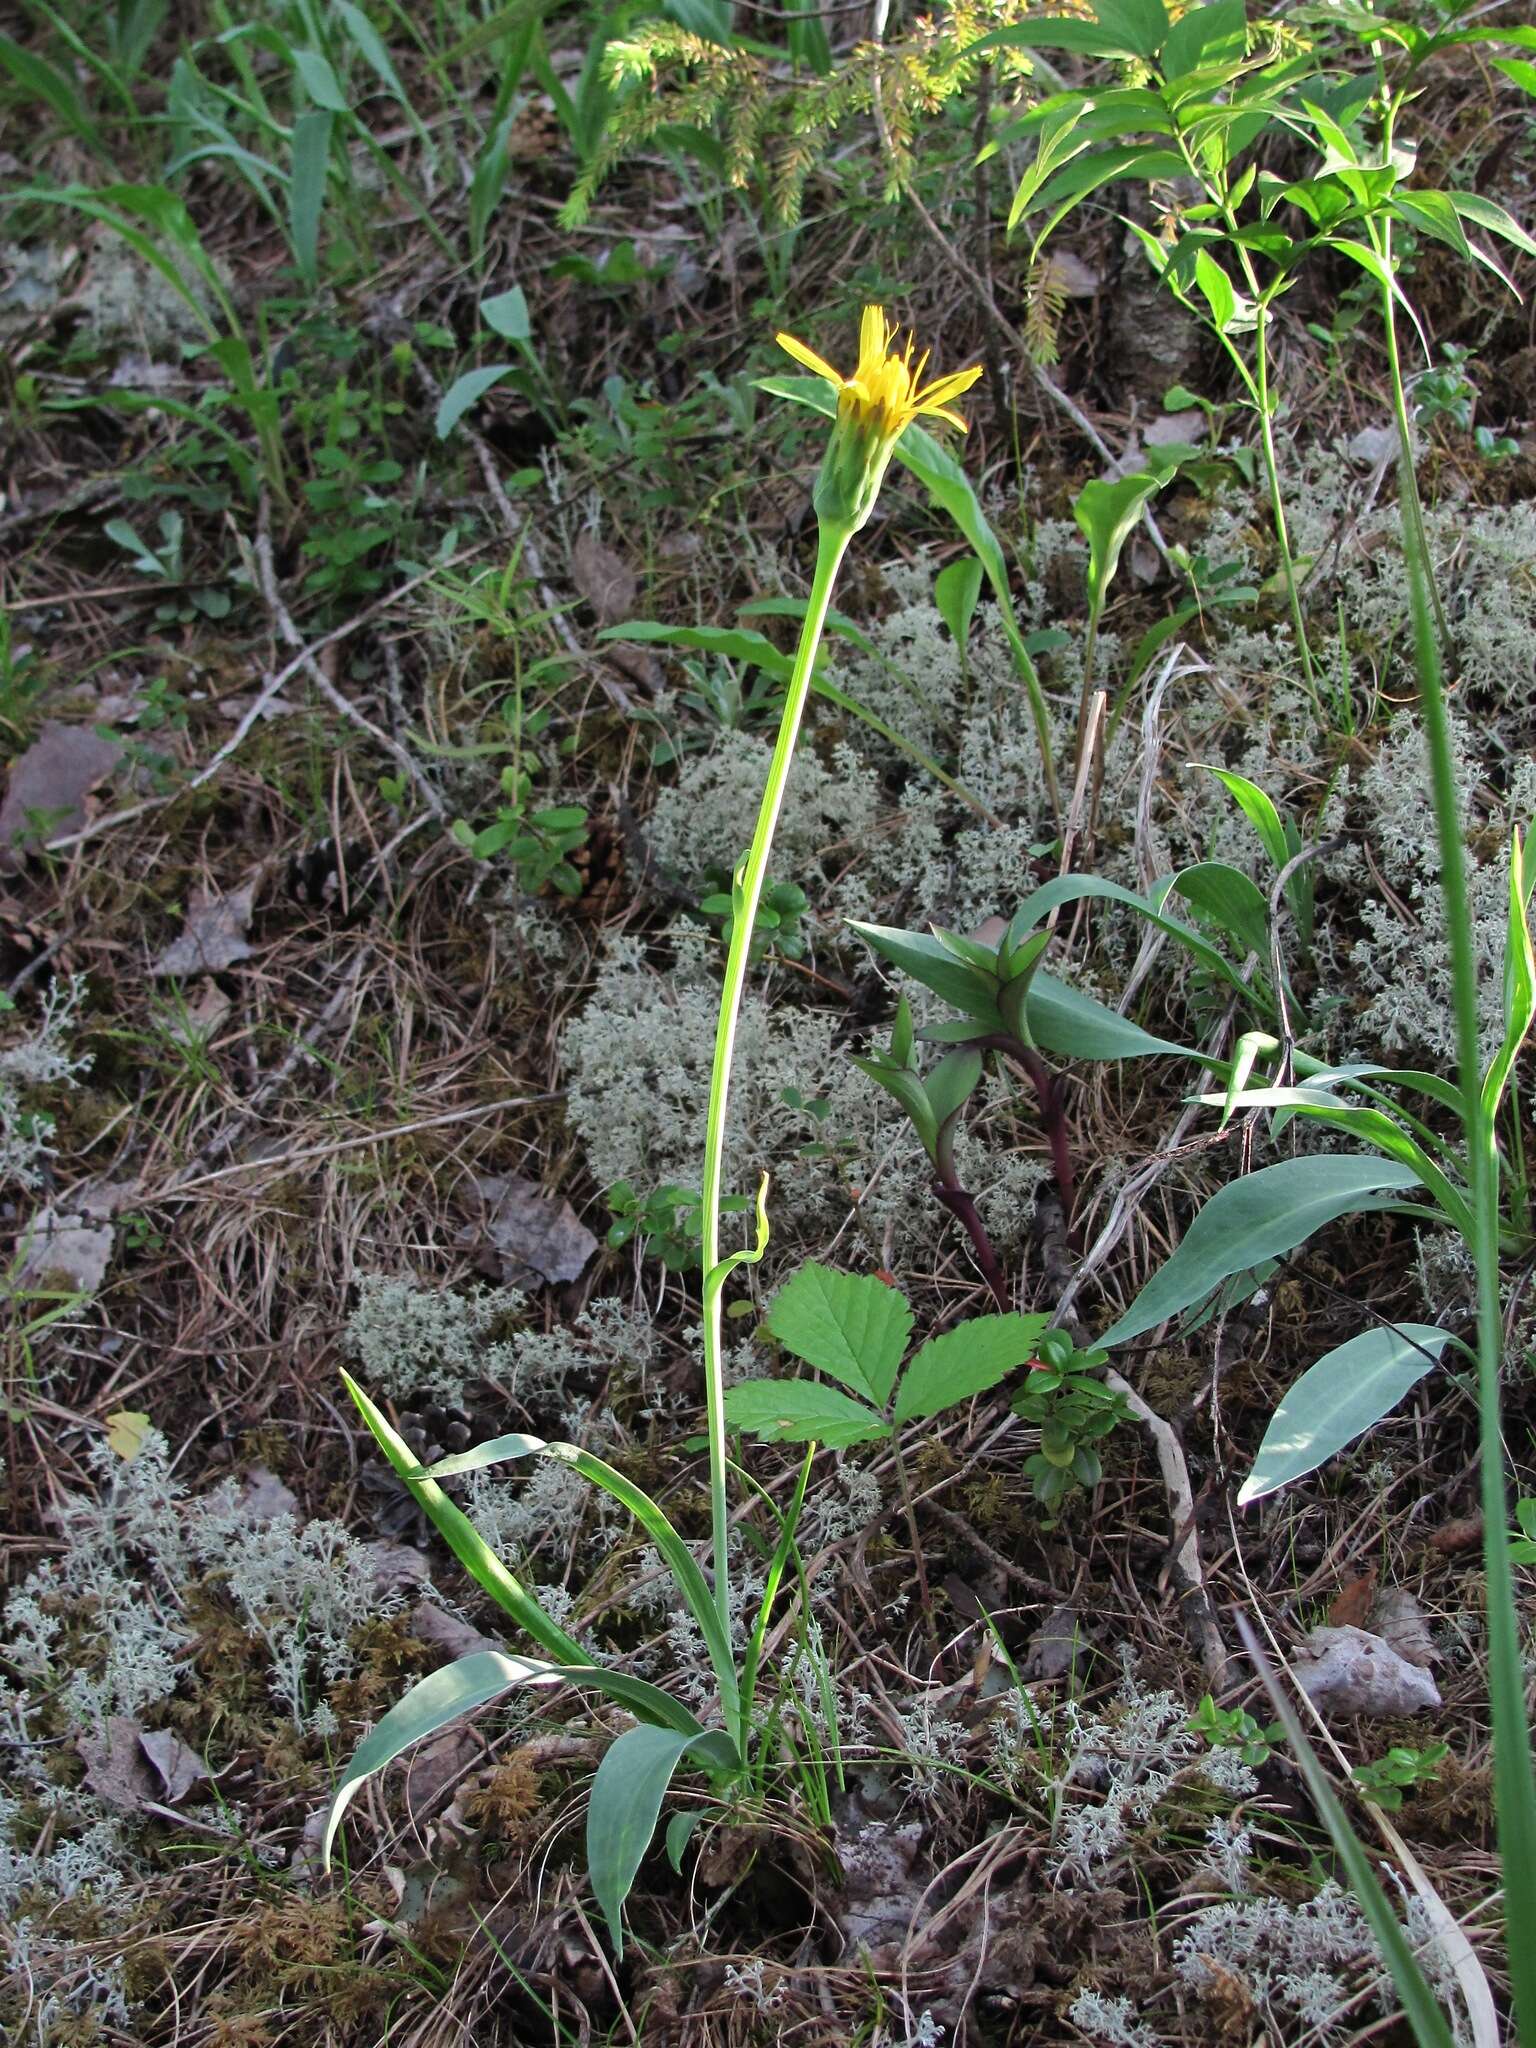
1106, 511
1217, 289
1258, 808
622, 1810
1214, 34
431, 1704
951, 1084
800, 1412
1338, 1399
955, 591
966, 1361
922, 956
1517, 68
507, 314
464, 392
739, 643
848, 1324
1259, 1216
1227, 896
907, 1089
462, 1537
1076, 1026
306, 188
1139, 28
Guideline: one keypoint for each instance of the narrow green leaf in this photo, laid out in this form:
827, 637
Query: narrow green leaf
691, 1582
1519, 982
35, 75
430, 1704
462, 1537
320, 81
848, 1324
966, 1361
800, 1412
1348, 1390
464, 392
1259, 1216
306, 188
739, 643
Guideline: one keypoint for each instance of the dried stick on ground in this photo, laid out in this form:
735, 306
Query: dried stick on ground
282, 619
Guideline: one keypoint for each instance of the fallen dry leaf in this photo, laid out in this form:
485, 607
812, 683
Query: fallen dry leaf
607, 583
444, 1631
1451, 1538
1351, 1605
1399, 1620
263, 1496
527, 1236
179, 1767
126, 1430
115, 1769
1349, 1671
214, 937
65, 1252
48, 787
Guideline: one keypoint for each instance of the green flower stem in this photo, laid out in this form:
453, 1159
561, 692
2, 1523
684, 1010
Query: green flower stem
1514, 1782
752, 876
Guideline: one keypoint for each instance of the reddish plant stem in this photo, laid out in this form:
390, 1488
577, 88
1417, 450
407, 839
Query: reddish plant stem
1051, 1096
962, 1206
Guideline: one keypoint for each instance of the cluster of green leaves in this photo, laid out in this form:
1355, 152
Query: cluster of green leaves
1074, 1410
538, 843
855, 1328
666, 1221
1235, 1728
777, 927
1384, 1781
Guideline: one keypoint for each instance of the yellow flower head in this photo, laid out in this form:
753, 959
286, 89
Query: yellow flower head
875, 406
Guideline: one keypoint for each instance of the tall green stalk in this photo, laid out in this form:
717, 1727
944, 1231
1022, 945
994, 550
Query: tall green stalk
1514, 1780
832, 544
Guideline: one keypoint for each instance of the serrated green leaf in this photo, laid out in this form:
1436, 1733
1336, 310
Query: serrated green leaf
800, 1412
966, 1361
848, 1324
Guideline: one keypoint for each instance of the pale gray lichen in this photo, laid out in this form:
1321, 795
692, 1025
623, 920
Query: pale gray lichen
40, 1060
429, 1343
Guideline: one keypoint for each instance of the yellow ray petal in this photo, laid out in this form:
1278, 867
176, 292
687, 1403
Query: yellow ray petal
809, 358
941, 412
942, 389
874, 337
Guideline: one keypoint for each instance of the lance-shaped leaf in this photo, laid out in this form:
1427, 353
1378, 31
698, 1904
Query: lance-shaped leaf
1343, 1395
1107, 512
1260, 1216
468, 1683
